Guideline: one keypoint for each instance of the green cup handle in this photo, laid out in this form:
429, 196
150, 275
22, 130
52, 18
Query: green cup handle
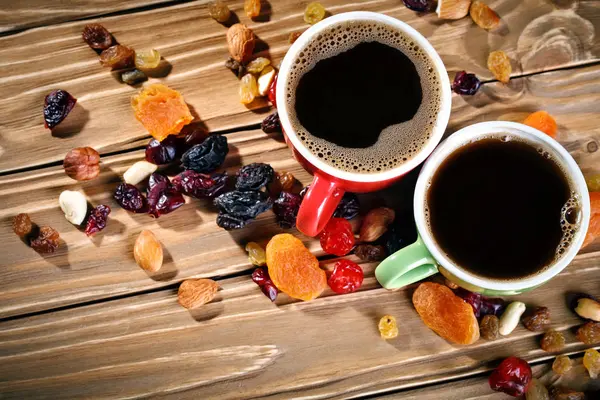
406, 266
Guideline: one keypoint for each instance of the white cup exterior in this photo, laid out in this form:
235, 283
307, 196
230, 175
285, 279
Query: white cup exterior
528, 134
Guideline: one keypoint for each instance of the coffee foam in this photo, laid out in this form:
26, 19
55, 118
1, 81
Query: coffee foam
397, 143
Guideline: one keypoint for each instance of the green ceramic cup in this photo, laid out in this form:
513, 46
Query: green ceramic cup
425, 258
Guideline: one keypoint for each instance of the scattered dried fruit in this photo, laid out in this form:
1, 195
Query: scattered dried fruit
47, 240
161, 110
465, 84
538, 320
257, 65
294, 269
369, 252
207, 156
245, 205
162, 196
375, 223
265, 80
147, 59
593, 183
418, 5
589, 333
271, 124
348, 207
510, 317
314, 13
164, 152
483, 15
282, 182
591, 362
254, 176
445, 313
558, 393
138, 172
148, 252
537, 391
337, 237
97, 36
512, 376
22, 225
97, 219
347, 277
562, 364
499, 64
200, 186
235, 66
489, 327
219, 11
82, 164
196, 292
252, 8
248, 89
552, 341
118, 57
57, 105
74, 205
130, 198
241, 42
230, 222
400, 234
542, 121
452, 9
132, 77
481, 305
388, 328
261, 277
286, 209
256, 254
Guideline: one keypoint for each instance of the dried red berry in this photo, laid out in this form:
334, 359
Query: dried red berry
130, 198
97, 36
465, 84
337, 237
271, 124
164, 152
481, 305
57, 105
271, 94
261, 277
97, 219
512, 377
162, 196
347, 277
199, 185
286, 209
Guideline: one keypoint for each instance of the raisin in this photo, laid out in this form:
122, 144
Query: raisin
57, 105
562, 365
369, 252
256, 254
465, 84
513, 377
257, 65
163, 197
538, 320
260, 276
589, 333
97, 219
591, 362
134, 76
254, 176
248, 89
192, 135
252, 8
488, 327
400, 234
147, 59
199, 185
348, 207
558, 393
483, 15
219, 11
537, 391
271, 124
418, 5
244, 205
229, 222
22, 225
499, 64
552, 341
282, 182
337, 237
207, 156
118, 57
286, 209
314, 13
388, 328
542, 121
47, 241
97, 36
236, 67
162, 152
130, 198
347, 277
272, 93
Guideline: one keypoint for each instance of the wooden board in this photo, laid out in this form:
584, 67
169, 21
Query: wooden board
36, 61
243, 346
85, 269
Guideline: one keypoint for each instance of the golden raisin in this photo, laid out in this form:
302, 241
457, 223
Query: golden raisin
219, 11
388, 327
117, 57
552, 341
147, 59
22, 224
537, 320
589, 333
314, 13
248, 89
489, 327
591, 362
499, 64
256, 254
562, 365
252, 8
257, 65
283, 182
483, 15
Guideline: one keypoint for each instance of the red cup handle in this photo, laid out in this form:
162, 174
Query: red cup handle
318, 205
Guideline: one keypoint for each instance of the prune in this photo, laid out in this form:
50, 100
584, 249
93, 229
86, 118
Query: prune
22, 225
229, 222
337, 237
118, 57
400, 234
97, 36
348, 207
369, 252
589, 333
207, 156
57, 105
512, 376
286, 209
236, 67
199, 185
562, 365
418, 5
347, 277
243, 204
162, 196
134, 76
552, 341
387, 327
260, 276
314, 13
537, 320
47, 241
488, 327
130, 198
97, 219
271, 124
465, 84
164, 152
254, 176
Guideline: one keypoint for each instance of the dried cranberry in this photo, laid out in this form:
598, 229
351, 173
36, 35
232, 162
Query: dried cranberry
418, 5
164, 152
199, 185
286, 209
273, 92
260, 276
207, 156
230, 222
97, 219
162, 196
130, 198
254, 176
270, 290
337, 237
271, 124
465, 84
481, 305
347, 277
57, 105
512, 377
474, 299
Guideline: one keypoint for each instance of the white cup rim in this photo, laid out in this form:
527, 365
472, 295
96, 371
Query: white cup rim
526, 133
441, 120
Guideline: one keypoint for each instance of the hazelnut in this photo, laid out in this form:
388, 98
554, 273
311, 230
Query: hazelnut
82, 164
241, 42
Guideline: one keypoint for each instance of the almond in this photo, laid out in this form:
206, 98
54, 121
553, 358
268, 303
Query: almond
148, 252
196, 292
453, 9
375, 223
241, 42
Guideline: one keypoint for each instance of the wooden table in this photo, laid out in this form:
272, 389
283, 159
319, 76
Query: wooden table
87, 322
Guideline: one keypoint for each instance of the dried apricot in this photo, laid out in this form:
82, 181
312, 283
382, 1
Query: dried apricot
542, 121
593, 231
445, 313
294, 269
483, 15
161, 110
499, 64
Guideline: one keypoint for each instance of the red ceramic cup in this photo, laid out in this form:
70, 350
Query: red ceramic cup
330, 183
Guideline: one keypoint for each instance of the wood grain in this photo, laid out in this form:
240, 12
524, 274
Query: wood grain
84, 269
538, 35
243, 346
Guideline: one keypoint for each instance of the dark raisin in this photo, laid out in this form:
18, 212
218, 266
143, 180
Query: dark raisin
57, 105
271, 124
134, 76
230, 222
537, 320
162, 196
369, 252
419, 5
199, 185
481, 305
400, 234
261, 277
254, 176
236, 67
97, 36
192, 135
47, 241
465, 84
348, 207
246, 205
207, 156
286, 209
164, 152
130, 198
97, 219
